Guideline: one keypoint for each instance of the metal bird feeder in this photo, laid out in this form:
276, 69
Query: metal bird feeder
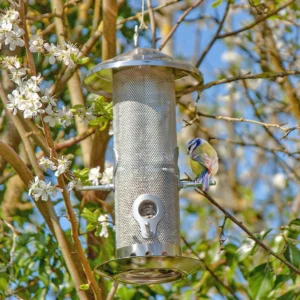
144, 84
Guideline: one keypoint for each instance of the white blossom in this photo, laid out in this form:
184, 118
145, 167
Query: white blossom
39, 189
51, 117
46, 163
48, 99
65, 116
63, 164
36, 44
62, 55
52, 50
103, 221
12, 104
75, 184
85, 115
94, 175
10, 61
279, 181
107, 176
16, 74
10, 32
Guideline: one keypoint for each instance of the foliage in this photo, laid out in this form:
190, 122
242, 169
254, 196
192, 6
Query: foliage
62, 134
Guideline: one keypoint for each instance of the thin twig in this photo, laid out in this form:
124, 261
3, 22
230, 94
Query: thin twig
249, 233
152, 22
74, 140
12, 255
222, 235
30, 59
272, 13
265, 75
113, 290
208, 47
181, 18
212, 273
242, 120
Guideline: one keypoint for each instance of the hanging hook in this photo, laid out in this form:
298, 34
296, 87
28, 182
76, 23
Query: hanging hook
136, 36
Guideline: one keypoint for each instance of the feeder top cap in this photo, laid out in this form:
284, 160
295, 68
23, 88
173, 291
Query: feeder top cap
99, 79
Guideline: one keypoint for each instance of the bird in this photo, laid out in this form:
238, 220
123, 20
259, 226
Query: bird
203, 160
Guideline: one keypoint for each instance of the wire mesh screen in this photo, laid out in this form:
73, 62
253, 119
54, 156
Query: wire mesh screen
145, 144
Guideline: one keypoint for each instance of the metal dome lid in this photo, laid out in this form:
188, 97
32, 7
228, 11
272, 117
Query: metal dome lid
99, 79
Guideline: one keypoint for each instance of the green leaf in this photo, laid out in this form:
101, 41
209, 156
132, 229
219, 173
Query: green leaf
246, 249
91, 226
88, 215
126, 293
295, 222
84, 287
216, 3
261, 281
249, 247
292, 254
4, 277
83, 60
287, 296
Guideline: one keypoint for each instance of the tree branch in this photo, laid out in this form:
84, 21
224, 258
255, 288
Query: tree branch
272, 13
113, 290
74, 140
265, 75
181, 18
212, 273
208, 47
152, 21
249, 233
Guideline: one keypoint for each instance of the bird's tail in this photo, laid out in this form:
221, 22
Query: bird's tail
204, 179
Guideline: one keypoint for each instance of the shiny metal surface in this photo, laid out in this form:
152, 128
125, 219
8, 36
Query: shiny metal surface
145, 249
149, 269
105, 187
188, 184
110, 187
145, 143
99, 79
148, 210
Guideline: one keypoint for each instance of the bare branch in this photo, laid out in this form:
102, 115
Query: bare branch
215, 37
272, 13
113, 290
265, 75
152, 21
181, 18
212, 273
74, 140
249, 233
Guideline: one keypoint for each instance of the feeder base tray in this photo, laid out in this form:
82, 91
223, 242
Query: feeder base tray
149, 269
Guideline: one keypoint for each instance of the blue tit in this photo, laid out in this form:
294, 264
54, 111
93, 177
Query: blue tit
204, 161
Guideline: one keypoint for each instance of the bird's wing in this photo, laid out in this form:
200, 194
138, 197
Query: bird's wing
209, 162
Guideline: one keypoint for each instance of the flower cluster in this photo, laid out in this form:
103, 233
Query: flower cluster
10, 32
95, 177
62, 166
104, 222
39, 189
68, 55
25, 97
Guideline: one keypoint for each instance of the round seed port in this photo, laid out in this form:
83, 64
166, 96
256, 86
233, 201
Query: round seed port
148, 209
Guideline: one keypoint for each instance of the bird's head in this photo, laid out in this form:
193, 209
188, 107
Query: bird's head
194, 143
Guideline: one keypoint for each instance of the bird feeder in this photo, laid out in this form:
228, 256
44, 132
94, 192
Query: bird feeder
144, 84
